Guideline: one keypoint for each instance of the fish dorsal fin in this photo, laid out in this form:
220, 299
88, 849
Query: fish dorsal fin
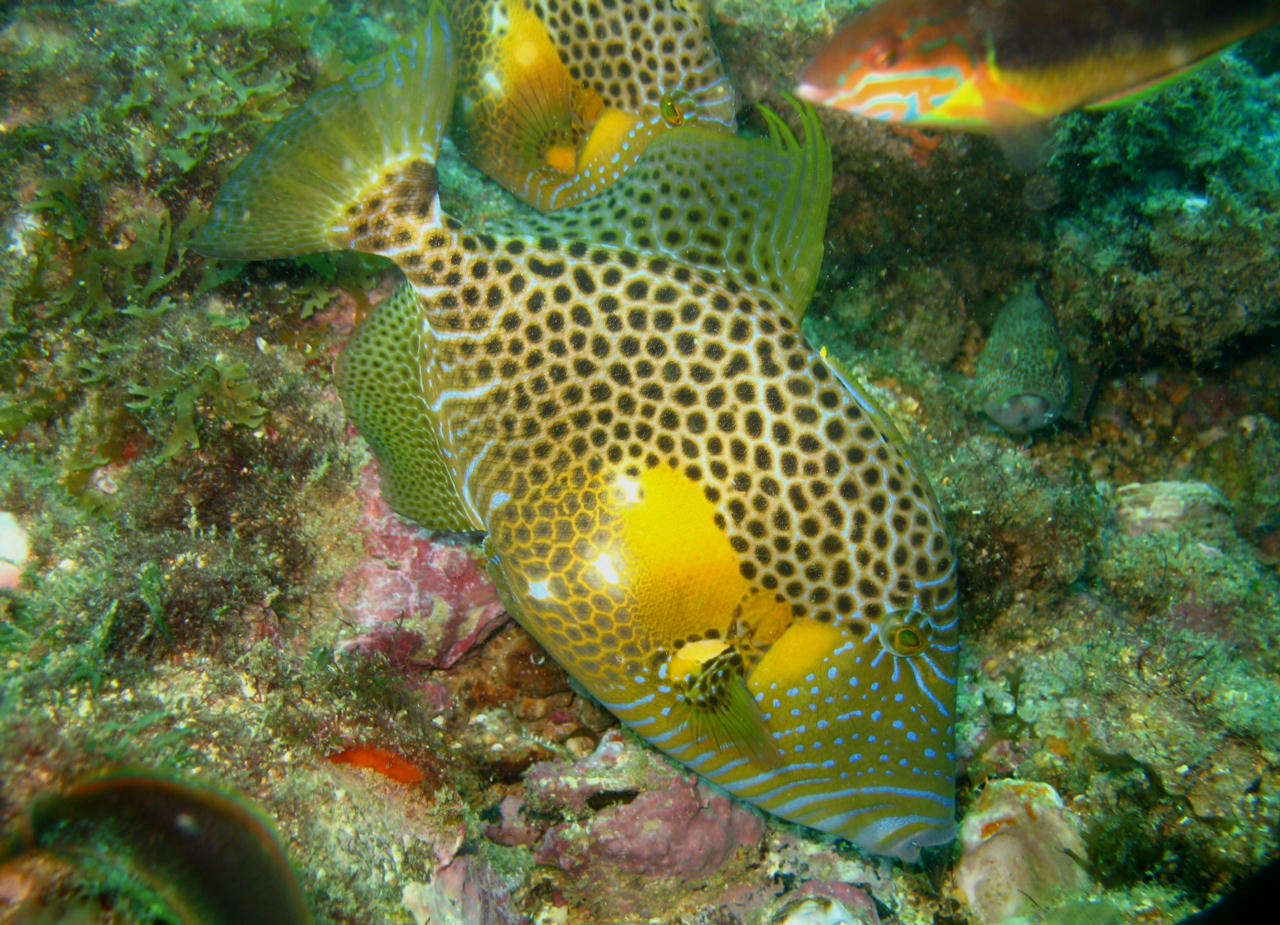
753, 208
366, 143
381, 385
556, 104
1151, 86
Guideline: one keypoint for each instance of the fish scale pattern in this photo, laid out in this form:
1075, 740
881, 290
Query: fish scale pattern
570, 377
634, 54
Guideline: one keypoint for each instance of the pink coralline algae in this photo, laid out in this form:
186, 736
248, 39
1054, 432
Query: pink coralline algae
418, 599
626, 809
682, 831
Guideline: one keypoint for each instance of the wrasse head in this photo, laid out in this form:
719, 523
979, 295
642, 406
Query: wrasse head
894, 63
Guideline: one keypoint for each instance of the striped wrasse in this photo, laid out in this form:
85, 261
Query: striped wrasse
708, 526
557, 98
996, 66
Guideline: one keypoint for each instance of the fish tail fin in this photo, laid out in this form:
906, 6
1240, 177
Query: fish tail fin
335, 172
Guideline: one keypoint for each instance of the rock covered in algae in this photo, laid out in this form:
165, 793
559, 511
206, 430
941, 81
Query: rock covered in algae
813, 908
625, 811
1024, 378
1021, 850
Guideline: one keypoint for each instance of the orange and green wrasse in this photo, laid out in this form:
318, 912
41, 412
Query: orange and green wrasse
556, 99
999, 66
710, 527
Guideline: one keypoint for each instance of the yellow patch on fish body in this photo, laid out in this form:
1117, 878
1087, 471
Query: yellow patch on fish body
703, 521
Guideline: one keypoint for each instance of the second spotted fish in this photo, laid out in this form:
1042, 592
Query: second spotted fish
715, 532
556, 101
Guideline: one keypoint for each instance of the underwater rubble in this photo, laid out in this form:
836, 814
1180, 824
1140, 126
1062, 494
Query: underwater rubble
197, 574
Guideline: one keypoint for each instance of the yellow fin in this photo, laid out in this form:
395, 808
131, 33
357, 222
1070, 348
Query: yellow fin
367, 142
381, 388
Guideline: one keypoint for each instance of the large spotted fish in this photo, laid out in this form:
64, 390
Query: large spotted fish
998, 66
557, 98
712, 530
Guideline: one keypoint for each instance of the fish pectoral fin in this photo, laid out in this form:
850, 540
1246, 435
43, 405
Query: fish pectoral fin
378, 376
1025, 146
331, 171
735, 720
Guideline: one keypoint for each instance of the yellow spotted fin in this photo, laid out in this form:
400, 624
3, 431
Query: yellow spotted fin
557, 99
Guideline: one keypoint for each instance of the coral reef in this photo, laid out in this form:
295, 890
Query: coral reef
206, 582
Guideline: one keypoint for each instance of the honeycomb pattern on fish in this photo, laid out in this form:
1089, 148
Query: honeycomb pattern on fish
635, 54
710, 527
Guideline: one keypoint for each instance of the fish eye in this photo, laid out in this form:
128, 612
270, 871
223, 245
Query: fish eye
672, 114
902, 637
883, 54
908, 640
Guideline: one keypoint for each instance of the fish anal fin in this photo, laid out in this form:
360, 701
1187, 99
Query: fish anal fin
1025, 146
378, 376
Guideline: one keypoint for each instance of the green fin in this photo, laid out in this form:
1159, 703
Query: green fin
734, 718
753, 207
363, 146
378, 375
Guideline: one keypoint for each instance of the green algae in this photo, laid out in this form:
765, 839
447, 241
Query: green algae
148, 432
1168, 242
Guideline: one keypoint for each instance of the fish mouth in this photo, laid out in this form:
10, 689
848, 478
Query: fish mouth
812, 93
